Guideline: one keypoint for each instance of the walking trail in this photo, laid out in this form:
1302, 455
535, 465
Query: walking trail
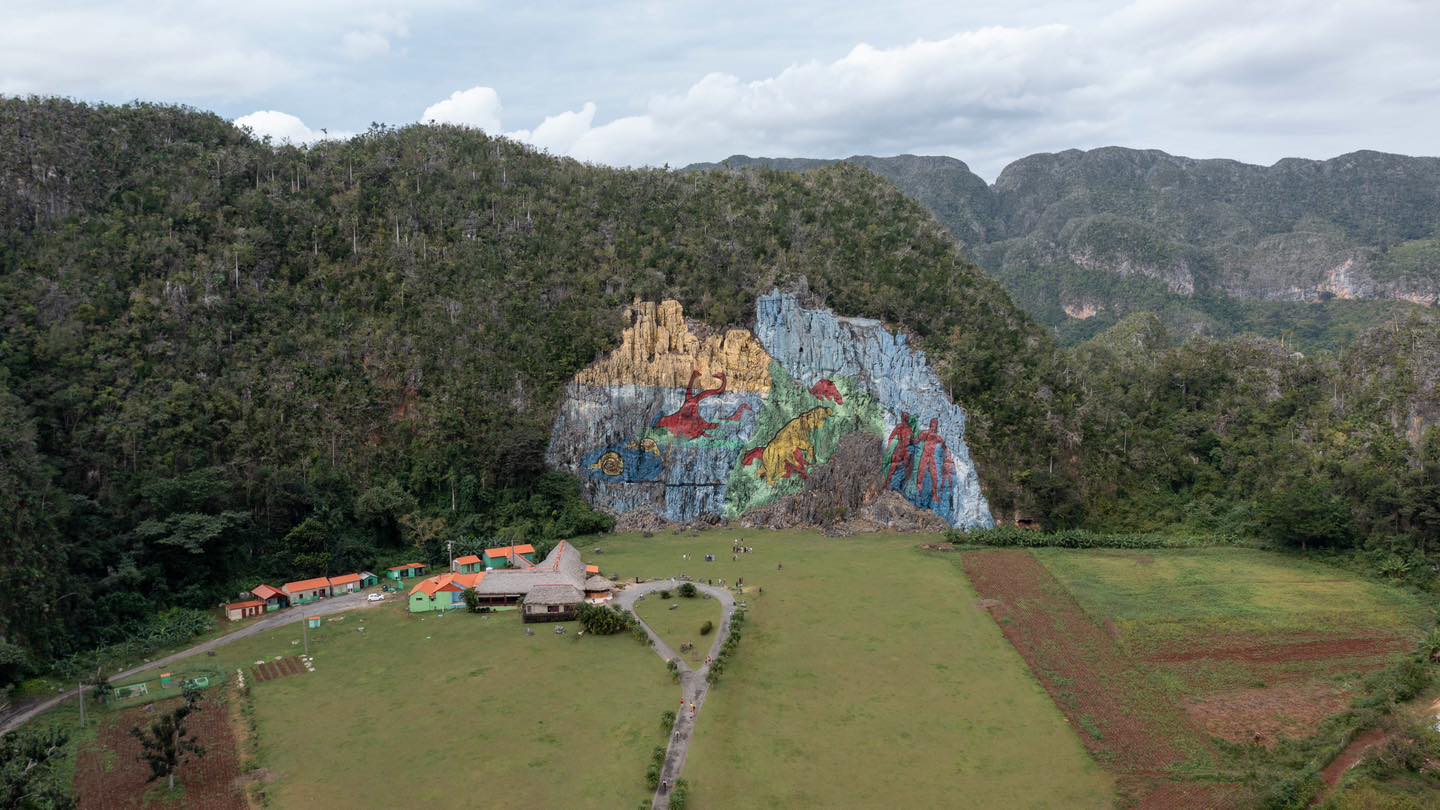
21, 714
694, 684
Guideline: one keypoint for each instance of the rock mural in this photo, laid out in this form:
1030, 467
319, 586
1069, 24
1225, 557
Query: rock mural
692, 424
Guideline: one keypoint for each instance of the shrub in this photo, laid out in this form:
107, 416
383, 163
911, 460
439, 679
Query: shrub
680, 796
706, 628
688, 590
664, 594
603, 620
1009, 537
667, 719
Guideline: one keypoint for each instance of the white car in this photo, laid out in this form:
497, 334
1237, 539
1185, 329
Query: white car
376, 597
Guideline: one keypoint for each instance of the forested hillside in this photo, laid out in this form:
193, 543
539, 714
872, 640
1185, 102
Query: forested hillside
223, 360
1312, 251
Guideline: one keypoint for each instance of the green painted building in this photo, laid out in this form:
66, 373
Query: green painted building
436, 594
509, 557
406, 571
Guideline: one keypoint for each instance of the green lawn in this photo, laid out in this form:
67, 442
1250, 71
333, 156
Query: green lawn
868, 676
678, 621
1174, 596
436, 710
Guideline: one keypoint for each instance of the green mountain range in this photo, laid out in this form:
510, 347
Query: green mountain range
1314, 251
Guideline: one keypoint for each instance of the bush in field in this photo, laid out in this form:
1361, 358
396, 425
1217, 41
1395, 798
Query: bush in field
706, 628
680, 796
664, 594
603, 620
687, 590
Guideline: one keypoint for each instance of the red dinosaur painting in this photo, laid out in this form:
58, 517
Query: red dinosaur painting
687, 423
826, 389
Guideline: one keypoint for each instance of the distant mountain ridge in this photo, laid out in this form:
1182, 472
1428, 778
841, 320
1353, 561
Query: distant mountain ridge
1080, 235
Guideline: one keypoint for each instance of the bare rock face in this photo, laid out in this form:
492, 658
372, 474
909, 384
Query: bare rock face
694, 426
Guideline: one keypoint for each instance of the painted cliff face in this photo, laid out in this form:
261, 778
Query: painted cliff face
686, 423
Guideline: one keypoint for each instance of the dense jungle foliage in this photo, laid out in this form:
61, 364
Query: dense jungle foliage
223, 360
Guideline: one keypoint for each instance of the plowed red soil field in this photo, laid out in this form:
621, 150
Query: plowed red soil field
110, 775
1128, 727
270, 670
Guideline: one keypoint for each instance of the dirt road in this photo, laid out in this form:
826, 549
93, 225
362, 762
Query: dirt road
21, 714
694, 684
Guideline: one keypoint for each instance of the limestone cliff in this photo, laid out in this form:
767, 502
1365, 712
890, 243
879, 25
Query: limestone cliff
693, 426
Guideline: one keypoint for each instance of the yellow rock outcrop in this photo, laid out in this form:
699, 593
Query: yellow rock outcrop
659, 349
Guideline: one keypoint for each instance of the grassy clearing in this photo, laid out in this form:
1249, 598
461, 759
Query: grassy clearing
678, 621
1158, 599
426, 706
868, 676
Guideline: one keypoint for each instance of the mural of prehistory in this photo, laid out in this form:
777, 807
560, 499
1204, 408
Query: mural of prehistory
690, 423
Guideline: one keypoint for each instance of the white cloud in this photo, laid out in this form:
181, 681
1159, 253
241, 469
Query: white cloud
478, 107
284, 128
558, 133
1203, 77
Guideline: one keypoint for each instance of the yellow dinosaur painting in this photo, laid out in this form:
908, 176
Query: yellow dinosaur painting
792, 449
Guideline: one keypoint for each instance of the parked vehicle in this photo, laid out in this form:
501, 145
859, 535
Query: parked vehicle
376, 597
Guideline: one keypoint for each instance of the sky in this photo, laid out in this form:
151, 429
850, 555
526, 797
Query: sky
671, 83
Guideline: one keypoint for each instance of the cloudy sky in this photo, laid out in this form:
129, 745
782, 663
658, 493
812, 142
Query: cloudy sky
631, 83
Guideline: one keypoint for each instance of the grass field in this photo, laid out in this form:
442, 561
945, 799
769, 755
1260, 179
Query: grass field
1252, 648
1173, 599
678, 621
868, 676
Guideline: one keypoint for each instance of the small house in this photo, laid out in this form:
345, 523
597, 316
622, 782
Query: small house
306, 591
469, 564
592, 570
405, 571
345, 583
552, 603
436, 593
244, 610
599, 590
510, 557
274, 598
368, 580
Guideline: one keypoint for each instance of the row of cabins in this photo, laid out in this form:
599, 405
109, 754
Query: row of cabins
303, 592
551, 590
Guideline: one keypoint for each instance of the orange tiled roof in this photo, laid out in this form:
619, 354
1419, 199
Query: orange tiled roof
405, 567
468, 559
265, 591
592, 569
250, 604
467, 580
344, 579
437, 584
509, 551
318, 583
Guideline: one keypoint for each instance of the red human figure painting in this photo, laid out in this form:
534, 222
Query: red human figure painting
687, 423
933, 455
899, 441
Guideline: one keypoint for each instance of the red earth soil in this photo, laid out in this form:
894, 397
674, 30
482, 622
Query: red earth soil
109, 775
1349, 758
1091, 680
1264, 715
270, 670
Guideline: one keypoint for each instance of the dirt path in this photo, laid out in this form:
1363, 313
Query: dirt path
20, 715
694, 684
1347, 759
